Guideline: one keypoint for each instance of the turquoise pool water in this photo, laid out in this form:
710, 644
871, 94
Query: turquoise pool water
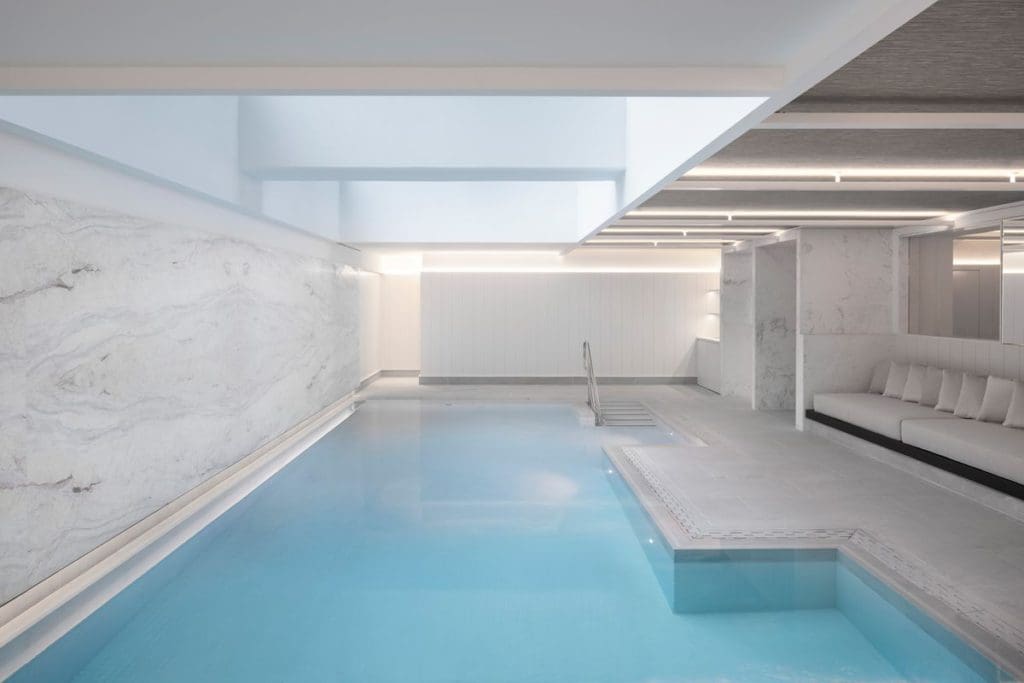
440, 542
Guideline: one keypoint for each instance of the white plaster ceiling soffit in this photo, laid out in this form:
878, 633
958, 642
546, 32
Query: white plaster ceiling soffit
716, 77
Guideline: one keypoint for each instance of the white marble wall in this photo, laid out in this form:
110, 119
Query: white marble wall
137, 359
846, 281
775, 327
737, 323
847, 298
837, 363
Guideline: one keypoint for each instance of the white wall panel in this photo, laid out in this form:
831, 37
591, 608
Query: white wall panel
976, 356
532, 324
400, 322
369, 324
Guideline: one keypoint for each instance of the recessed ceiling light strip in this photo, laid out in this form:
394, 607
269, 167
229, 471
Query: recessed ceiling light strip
880, 172
666, 240
699, 231
682, 212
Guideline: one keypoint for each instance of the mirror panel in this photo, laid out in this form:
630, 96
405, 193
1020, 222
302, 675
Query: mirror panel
954, 284
1013, 281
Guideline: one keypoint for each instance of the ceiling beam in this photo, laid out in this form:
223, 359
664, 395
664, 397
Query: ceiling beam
399, 80
847, 186
898, 121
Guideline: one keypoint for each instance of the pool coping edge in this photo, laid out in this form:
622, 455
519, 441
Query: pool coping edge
995, 639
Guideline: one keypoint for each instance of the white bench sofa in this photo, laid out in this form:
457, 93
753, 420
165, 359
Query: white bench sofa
989, 451
984, 445
880, 414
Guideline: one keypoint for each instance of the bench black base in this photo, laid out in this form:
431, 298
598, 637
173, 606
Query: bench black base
993, 481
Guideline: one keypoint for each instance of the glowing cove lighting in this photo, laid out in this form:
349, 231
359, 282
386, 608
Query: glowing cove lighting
612, 260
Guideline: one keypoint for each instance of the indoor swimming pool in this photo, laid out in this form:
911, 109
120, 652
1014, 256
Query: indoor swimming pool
432, 541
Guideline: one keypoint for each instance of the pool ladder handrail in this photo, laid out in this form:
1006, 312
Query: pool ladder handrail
593, 399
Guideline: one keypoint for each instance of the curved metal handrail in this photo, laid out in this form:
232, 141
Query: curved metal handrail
593, 399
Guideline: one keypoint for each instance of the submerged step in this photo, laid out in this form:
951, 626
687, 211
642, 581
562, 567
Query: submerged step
627, 414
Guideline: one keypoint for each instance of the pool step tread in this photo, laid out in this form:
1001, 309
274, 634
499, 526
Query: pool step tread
626, 414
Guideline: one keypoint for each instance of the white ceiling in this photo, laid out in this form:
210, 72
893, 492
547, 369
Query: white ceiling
442, 33
717, 51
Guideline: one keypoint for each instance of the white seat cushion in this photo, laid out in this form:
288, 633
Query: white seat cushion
1015, 413
949, 391
931, 387
879, 414
996, 404
879, 377
915, 384
896, 380
972, 393
987, 446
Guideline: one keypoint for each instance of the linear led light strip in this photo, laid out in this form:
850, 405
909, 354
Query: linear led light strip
838, 174
683, 231
657, 240
785, 213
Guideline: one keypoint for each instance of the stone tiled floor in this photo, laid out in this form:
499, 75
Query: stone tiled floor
758, 473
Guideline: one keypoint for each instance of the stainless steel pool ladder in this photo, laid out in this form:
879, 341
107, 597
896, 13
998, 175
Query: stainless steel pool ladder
593, 399
615, 413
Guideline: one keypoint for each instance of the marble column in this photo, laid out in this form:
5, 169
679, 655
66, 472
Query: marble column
737, 323
846, 294
775, 326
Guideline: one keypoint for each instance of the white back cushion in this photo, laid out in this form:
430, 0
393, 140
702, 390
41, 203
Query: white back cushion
931, 386
949, 392
1015, 413
915, 383
897, 380
878, 378
972, 392
996, 404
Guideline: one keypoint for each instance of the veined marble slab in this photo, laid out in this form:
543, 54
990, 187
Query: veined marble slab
737, 323
137, 359
775, 326
846, 281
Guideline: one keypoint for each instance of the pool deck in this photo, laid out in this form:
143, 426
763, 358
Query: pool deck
758, 482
